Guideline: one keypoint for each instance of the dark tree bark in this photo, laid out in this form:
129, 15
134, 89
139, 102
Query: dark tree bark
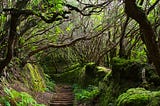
148, 34
11, 24
11, 41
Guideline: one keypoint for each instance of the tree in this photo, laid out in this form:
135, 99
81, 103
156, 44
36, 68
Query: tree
20, 11
97, 30
148, 33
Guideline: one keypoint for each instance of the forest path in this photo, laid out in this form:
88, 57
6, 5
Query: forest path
63, 96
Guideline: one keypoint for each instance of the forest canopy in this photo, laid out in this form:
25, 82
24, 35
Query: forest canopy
93, 30
102, 48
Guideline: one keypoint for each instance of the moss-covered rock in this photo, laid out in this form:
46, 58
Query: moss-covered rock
129, 73
127, 69
139, 97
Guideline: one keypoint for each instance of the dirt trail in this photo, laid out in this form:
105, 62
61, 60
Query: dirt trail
63, 96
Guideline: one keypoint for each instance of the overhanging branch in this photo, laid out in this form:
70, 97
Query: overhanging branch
55, 15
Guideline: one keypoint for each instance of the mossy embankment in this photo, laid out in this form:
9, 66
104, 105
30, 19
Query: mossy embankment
25, 86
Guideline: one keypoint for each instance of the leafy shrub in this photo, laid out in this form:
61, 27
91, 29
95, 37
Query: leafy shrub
85, 94
14, 98
50, 84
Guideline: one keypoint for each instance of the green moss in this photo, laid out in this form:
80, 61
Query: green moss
139, 97
36, 79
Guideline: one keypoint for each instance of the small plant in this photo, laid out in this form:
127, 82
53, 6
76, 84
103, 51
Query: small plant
15, 98
85, 94
50, 84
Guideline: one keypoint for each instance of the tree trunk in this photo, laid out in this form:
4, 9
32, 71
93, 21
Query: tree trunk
148, 33
13, 22
11, 41
122, 50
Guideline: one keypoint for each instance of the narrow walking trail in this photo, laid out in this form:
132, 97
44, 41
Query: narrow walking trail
63, 96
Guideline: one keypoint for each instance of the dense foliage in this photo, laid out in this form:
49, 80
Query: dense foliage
43, 42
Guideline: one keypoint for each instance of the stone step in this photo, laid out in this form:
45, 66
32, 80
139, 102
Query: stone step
62, 101
69, 97
61, 93
61, 104
63, 97
64, 89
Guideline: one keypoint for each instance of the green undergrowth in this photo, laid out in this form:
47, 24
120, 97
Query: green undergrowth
50, 84
87, 94
139, 97
15, 98
17, 89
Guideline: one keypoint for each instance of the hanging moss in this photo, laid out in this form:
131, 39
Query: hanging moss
139, 97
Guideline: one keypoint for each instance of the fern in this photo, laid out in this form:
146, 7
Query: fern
85, 94
18, 98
